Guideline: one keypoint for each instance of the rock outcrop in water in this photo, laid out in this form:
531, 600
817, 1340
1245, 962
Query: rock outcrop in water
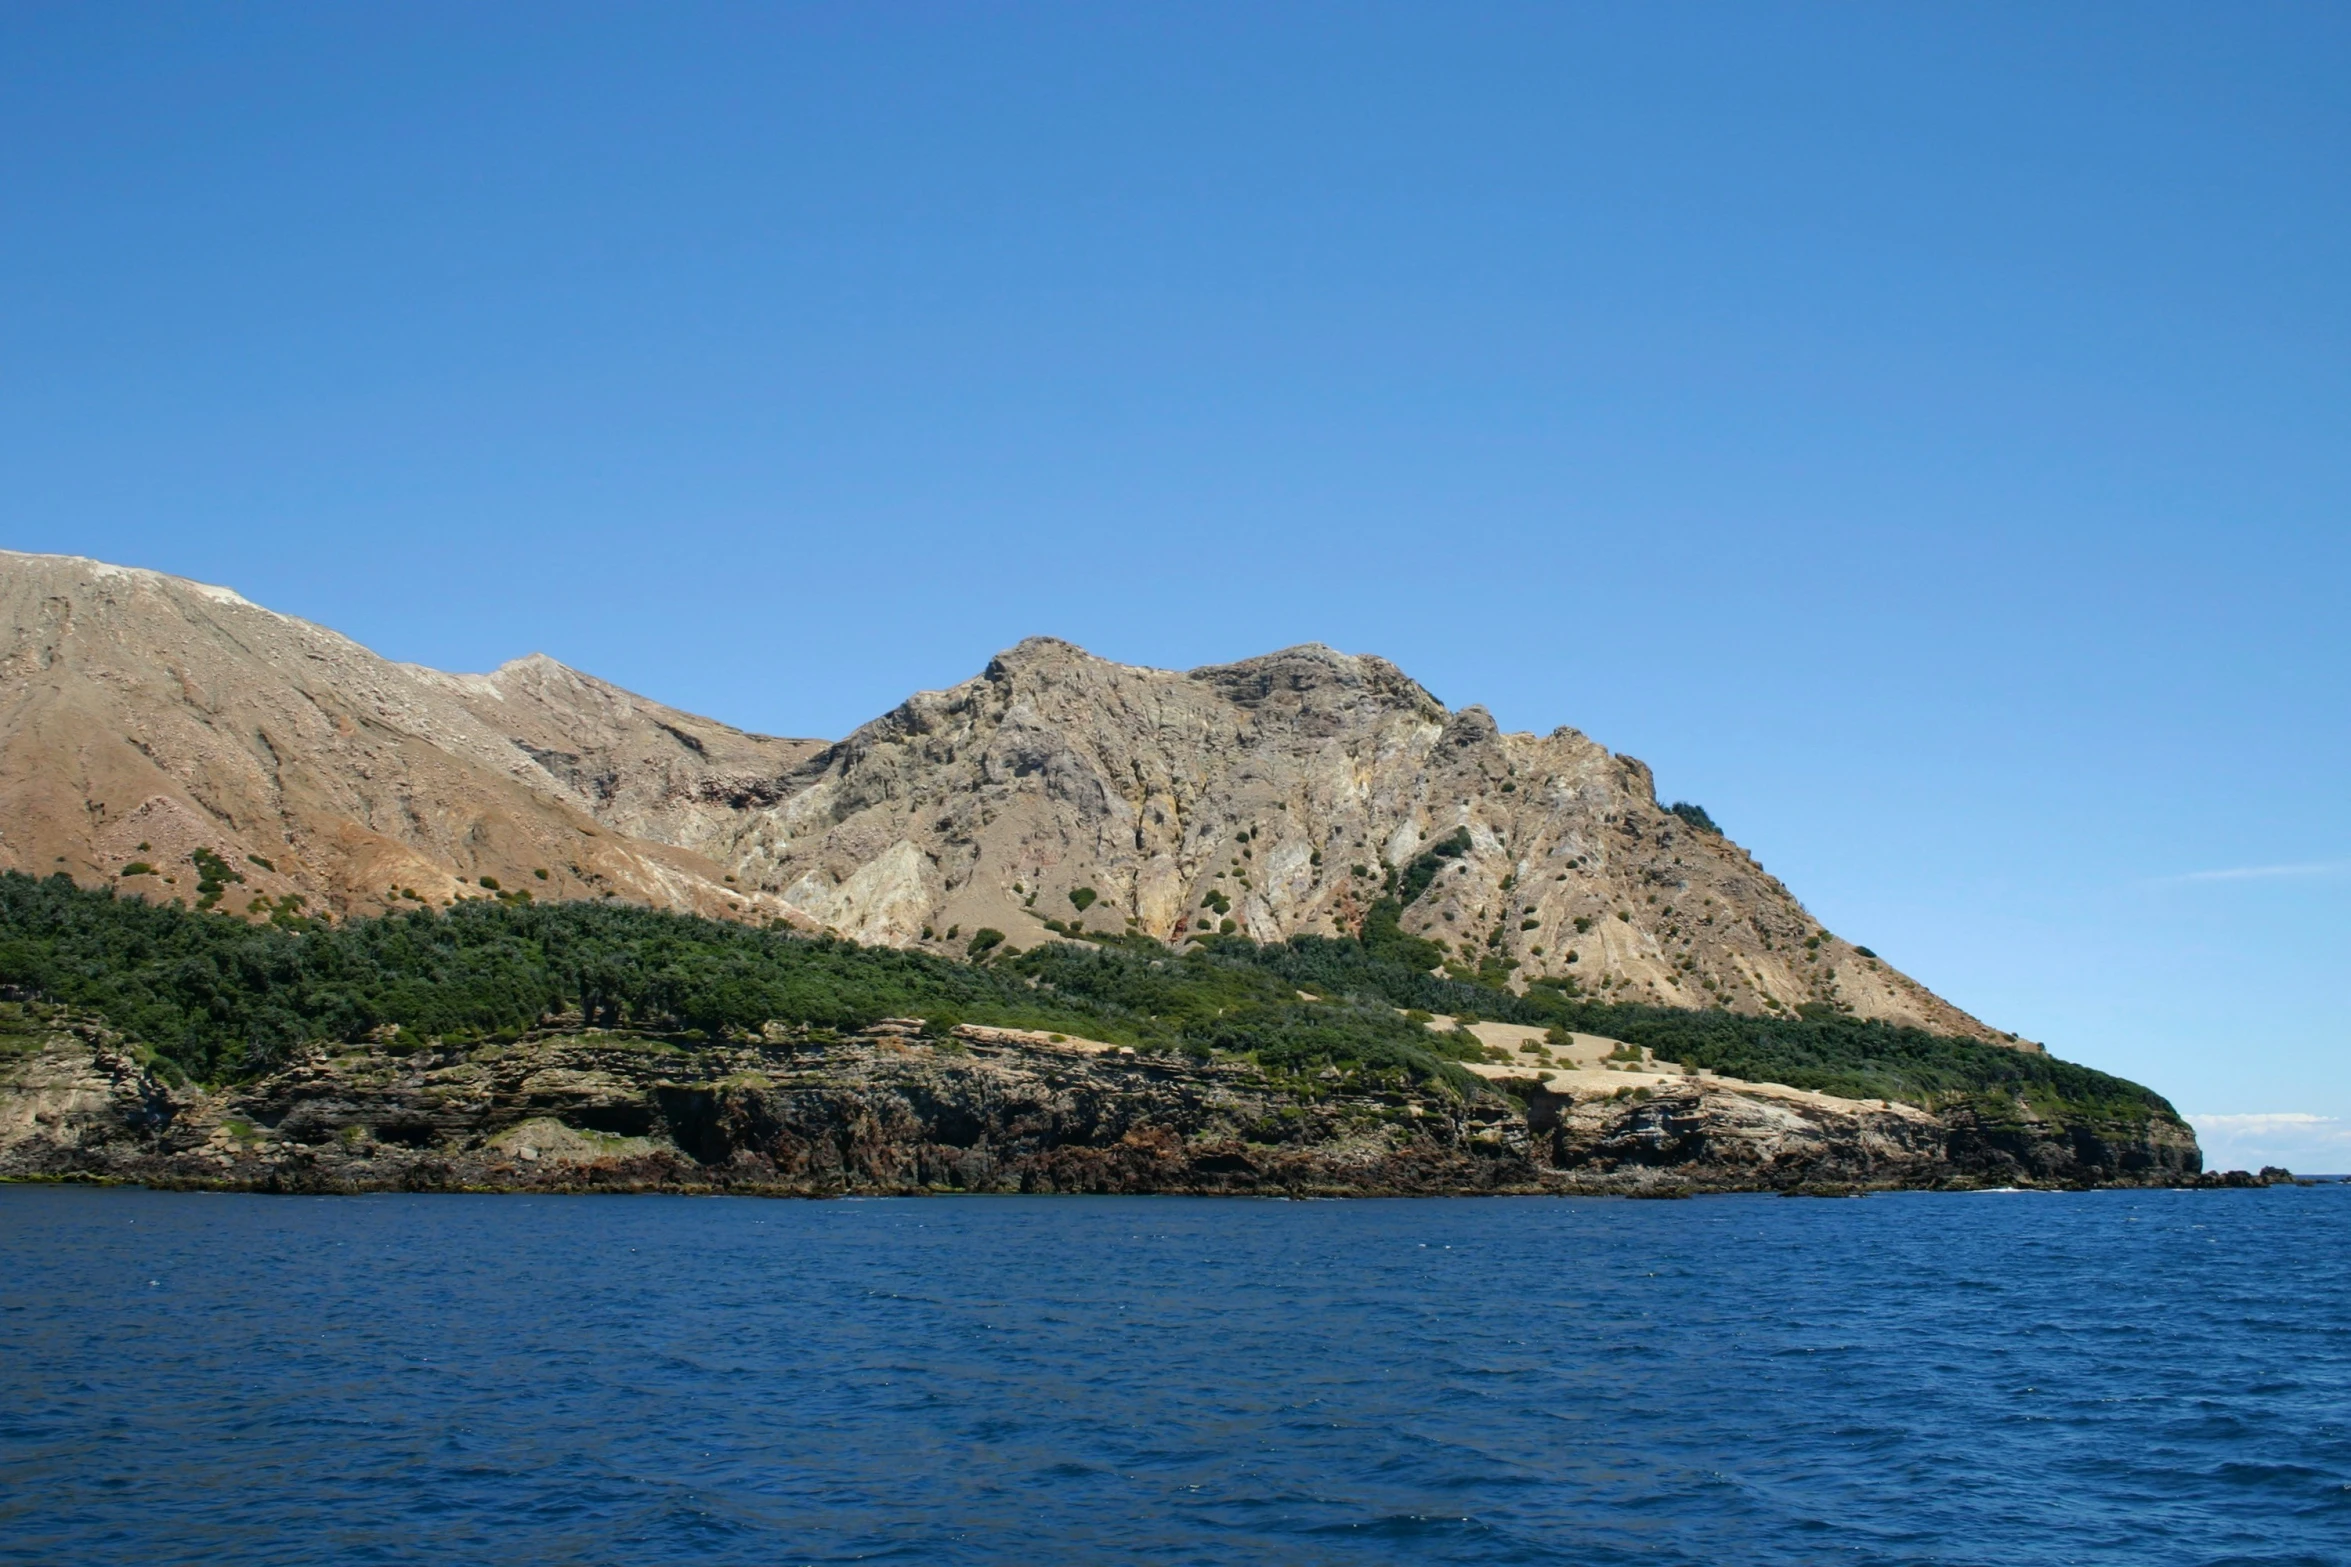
891, 1110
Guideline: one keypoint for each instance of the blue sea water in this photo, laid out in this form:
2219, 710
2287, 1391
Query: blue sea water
1999, 1378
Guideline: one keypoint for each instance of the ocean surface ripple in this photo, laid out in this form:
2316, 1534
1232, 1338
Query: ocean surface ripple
2157, 1377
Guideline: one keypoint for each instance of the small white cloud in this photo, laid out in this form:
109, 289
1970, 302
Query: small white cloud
2267, 1121
2263, 872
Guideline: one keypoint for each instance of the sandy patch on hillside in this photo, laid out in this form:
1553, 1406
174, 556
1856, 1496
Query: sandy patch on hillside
1582, 1068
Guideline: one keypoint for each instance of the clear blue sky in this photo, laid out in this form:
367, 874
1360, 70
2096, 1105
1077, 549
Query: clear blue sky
1919, 432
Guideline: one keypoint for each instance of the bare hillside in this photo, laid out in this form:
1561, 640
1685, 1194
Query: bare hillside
145, 717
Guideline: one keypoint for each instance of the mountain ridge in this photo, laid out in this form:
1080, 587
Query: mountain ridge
145, 718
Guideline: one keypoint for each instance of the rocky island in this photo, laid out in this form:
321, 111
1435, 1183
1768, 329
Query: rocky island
278, 914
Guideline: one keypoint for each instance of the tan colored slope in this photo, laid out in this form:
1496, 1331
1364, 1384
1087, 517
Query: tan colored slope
641, 768
143, 717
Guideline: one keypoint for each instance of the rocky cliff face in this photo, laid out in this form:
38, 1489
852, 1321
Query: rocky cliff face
1277, 793
983, 1110
146, 721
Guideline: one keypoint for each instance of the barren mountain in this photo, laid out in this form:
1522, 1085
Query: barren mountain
144, 719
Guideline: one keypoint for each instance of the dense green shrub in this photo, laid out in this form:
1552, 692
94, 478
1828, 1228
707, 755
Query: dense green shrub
213, 875
1424, 866
1695, 815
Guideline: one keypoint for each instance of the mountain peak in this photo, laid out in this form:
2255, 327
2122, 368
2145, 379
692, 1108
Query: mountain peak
1310, 668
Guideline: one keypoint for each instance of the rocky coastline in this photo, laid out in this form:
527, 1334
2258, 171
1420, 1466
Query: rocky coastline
894, 1110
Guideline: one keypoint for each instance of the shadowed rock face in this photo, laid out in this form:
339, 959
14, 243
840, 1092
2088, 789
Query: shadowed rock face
145, 718
984, 1111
